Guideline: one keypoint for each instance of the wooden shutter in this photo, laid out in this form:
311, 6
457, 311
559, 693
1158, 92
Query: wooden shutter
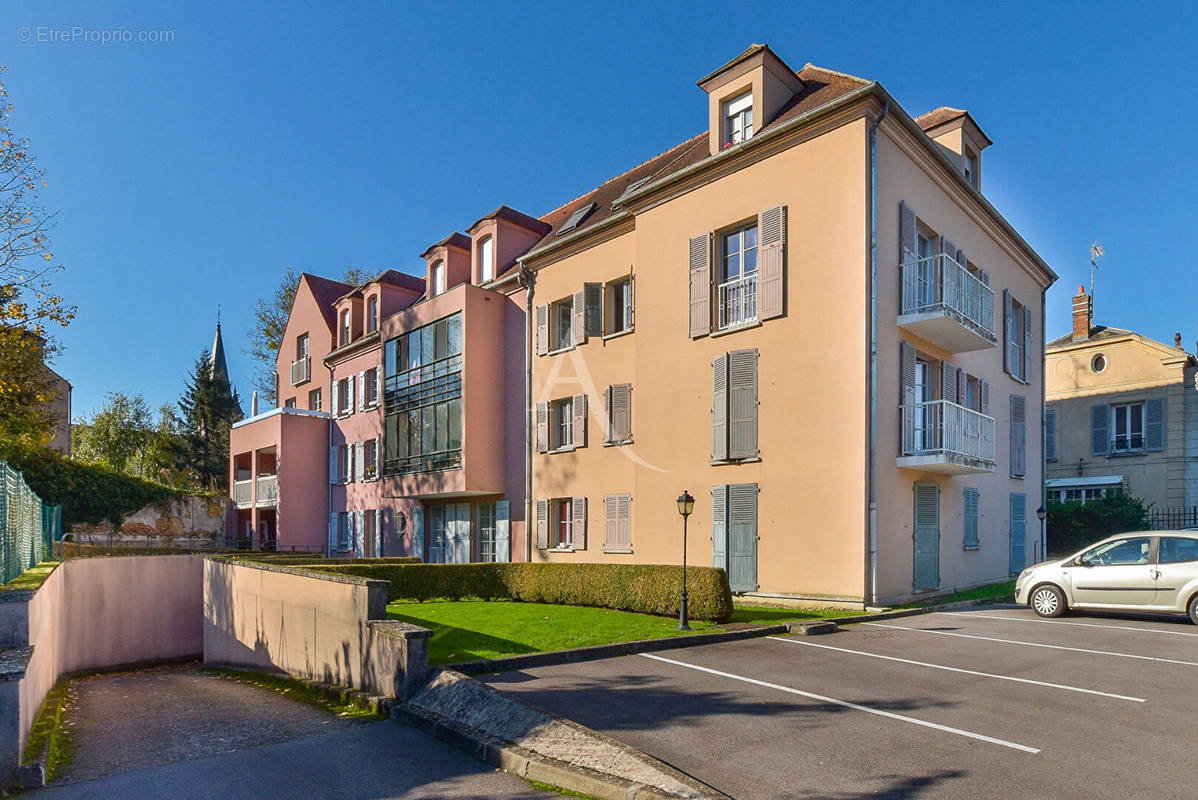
962, 259
542, 427
631, 297
700, 285
418, 531
1018, 531
719, 408
542, 330
621, 412
949, 379
336, 398
742, 537
359, 461
742, 404
349, 399
1154, 424
926, 551
719, 527
579, 506
332, 531
947, 248
624, 513
593, 308
579, 408
1100, 429
962, 387
984, 391
907, 412
907, 233
580, 318
971, 518
771, 262
1026, 374
362, 390
1008, 351
1050, 434
503, 530
358, 533
1018, 436
984, 276
378, 384
617, 511
611, 522
334, 466
542, 524
607, 416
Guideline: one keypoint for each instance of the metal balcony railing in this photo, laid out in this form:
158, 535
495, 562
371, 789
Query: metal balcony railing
737, 300
939, 283
268, 490
940, 427
243, 493
301, 370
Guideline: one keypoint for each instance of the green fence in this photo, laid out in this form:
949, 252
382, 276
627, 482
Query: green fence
28, 527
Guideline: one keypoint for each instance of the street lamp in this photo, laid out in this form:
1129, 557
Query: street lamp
1041, 513
686, 504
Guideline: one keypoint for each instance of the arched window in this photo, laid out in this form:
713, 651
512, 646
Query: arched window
486, 260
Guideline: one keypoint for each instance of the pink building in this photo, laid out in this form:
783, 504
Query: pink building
400, 429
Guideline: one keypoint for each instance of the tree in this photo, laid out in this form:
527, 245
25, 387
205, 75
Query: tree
117, 435
270, 322
27, 301
209, 407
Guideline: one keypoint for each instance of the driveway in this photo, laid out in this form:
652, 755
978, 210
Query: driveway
990, 703
179, 733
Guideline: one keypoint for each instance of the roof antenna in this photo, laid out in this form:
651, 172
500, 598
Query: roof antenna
1095, 254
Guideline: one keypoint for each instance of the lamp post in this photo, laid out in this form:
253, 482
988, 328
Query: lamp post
1040, 515
686, 504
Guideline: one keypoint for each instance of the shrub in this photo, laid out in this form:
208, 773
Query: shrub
645, 588
1072, 526
87, 492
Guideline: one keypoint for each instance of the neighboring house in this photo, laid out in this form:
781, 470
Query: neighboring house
60, 407
705, 321
1122, 414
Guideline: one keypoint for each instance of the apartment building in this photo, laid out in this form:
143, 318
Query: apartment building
811, 318
1122, 415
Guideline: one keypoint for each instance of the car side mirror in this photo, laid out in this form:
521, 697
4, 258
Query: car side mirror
1080, 562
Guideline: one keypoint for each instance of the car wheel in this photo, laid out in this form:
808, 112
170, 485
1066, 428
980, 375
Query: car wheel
1049, 601
1193, 609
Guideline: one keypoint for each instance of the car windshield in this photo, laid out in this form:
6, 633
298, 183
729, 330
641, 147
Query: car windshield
1120, 551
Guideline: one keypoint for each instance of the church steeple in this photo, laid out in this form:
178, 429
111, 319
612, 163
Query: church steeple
217, 357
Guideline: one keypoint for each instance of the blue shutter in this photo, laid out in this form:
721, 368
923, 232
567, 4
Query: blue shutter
971, 518
1154, 424
1100, 429
503, 531
1027, 344
742, 537
1018, 531
1009, 332
742, 404
926, 546
1018, 436
719, 408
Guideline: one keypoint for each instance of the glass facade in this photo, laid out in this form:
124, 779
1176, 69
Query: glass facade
422, 399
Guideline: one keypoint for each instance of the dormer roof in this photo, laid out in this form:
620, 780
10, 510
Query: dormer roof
944, 115
513, 216
458, 240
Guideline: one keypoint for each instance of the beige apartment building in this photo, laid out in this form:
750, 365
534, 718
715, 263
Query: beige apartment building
810, 317
1122, 415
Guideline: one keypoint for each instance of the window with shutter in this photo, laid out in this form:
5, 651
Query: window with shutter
579, 426
618, 402
617, 509
1100, 421
1050, 434
578, 309
771, 281
592, 294
971, 519
542, 330
579, 507
1154, 424
1018, 436
542, 427
1011, 341
719, 408
742, 404
700, 285
618, 306
542, 524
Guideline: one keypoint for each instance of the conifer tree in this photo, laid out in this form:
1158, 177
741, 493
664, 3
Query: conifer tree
208, 409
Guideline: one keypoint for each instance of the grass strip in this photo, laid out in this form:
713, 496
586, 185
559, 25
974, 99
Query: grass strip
48, 735
32, 578
991, 591
549, 787
342, 704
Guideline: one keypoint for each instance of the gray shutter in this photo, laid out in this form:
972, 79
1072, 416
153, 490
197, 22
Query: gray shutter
336, 397
542, 330
1154, 423
611, 521
1008, 332
962, 259
907, 411
1018, 436
356, 542
1100, 429
985, 277
542, 524
971, 518
1018, 531
907, 244
334, 466
984, 391
579, 506
771, 262
631, 297
332, 531
719, 408
700, 285
417, 531
1050, 434
949, 379
580, 318
742, 404
503, 530
1027, 344
593, 308
962, 387
624, 514
579, 407
359, 461
742, 537
947, 248
362, 390
542, 427
719, 527
926, 572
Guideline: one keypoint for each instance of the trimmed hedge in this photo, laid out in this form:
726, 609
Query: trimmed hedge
646, 588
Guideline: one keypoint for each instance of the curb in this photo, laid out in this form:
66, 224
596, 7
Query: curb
912, 612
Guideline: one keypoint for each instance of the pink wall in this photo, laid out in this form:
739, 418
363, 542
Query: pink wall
306, 316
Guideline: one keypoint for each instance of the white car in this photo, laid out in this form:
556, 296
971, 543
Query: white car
1149, 571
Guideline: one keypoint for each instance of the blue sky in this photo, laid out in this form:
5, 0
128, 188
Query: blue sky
190, 173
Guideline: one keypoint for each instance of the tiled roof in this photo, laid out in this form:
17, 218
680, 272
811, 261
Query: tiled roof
402, 279
326, 293
939, 116
513, 216
1097, 333
459, 240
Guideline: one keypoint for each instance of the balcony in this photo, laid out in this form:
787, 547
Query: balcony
939, 436
268, 491
737, 300
946, 304
243, 493
301, 370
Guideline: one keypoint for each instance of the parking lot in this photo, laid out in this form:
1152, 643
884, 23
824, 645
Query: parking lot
989, 703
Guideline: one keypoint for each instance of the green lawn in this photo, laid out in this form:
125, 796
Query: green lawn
770, 615
32, 578
996, 590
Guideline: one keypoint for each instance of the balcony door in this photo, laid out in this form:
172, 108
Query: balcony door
922, 414
927, 272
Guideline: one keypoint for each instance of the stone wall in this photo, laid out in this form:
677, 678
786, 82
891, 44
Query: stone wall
190, 523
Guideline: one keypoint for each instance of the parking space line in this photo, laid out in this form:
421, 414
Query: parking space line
963, 671
846, 704
971, 615
1035, 644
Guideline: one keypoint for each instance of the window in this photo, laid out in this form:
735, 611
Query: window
1098, 363
344, 397
1175, 550
1018, 349
618, 300
563, 522
438, 278
370, 532
1118, 553
563, 423
617, 523
370, 387
1128, 424
370, 459
617, 401
734, 406
486, 532
562, 313
314, 399
301, 346
971, 167
486, 263
289, 403
344, 463
738, 277
738, 119
372, 314
345, 327
345, 530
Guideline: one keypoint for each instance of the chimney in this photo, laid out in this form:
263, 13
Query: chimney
254, 404
1177, 341
1083, 312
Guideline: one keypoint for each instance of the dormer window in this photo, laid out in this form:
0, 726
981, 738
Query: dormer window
738, 119
372, 314
486, 260
345, 326
971, 167
438, 278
